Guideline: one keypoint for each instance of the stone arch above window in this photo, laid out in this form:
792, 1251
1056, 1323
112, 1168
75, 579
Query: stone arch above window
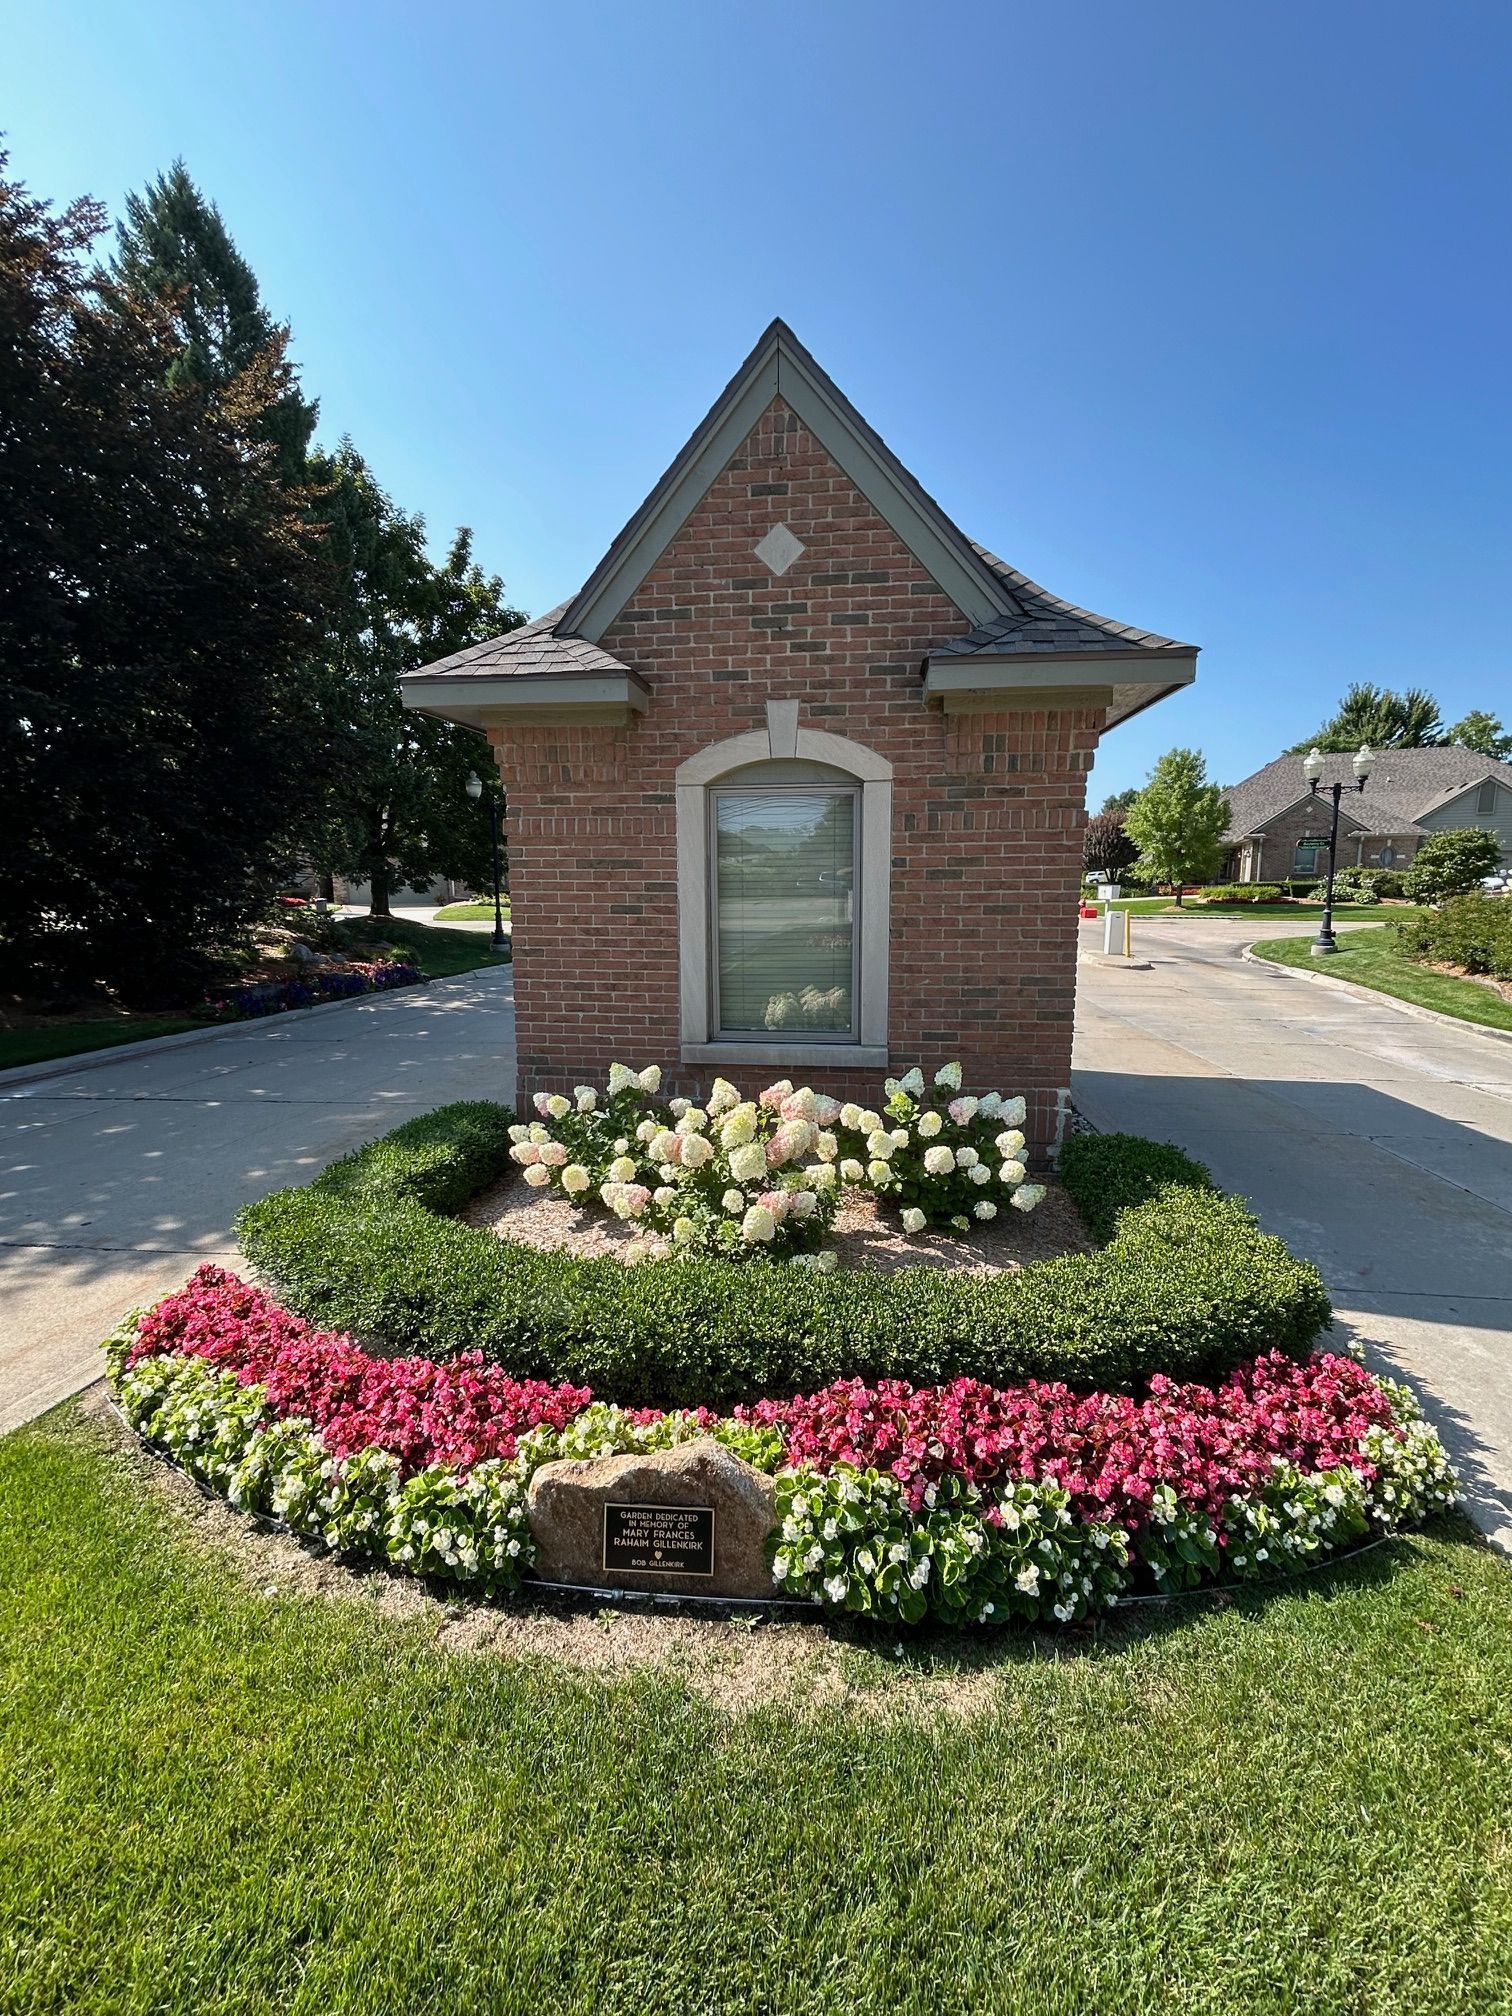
836, 1016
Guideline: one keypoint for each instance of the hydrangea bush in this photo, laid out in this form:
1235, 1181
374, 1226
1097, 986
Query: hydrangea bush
763, 1176
963, 1502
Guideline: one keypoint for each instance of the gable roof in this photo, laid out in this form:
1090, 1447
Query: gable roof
1014, 619
1404, 785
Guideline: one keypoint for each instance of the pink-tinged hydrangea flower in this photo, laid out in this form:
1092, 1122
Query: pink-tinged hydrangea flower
775, 1201
666, 1146
774, 1095
826, 1110
799, 1105
802, 1203
792, 1139
962, 1110
554, 1154
525, 1152
539, 1103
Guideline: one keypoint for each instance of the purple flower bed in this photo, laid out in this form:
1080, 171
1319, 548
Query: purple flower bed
334, 983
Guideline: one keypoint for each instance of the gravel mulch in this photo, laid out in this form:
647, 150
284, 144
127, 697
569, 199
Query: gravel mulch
863, 1235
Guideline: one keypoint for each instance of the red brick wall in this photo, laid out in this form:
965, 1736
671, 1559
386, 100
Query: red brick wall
1311, 818
987, 809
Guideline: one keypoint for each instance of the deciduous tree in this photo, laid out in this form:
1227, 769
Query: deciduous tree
1178, 820
1381, 718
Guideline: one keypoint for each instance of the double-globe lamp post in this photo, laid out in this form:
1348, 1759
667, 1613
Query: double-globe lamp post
475, 791
1312, 770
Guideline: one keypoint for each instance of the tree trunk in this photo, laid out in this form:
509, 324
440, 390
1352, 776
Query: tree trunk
378, 883
326, 888
1178, 895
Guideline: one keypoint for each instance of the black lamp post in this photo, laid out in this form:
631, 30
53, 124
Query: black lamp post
475, 791
1312, 770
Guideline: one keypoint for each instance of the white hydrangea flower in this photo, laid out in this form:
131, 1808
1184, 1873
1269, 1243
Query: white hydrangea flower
984, 1210
1027, 1196
575, 1179
990, 1105
758, 1224
621, 1078
820, 1175
870, 1122
723, 1096
1008, 1143
930, 1125
650, 1079
697, 1149
900, 1137
586, 1097
519, 1133
622, 1169
1012, 1172
913, 1083
684, 1231
748, 1163
1015, 1111
879, 1173
948, 1077
664, 1194
692, 1119
677, 1107
826, 1147
966, 1158
733, 1201
913, 1219
850, 1115
738, 1126
939, 1161
558, 1106
803, 1203
881, 1147
851, 1171
538, 1175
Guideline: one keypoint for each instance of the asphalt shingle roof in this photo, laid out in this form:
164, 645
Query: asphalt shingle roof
533, 648
1045, 623
1404, 784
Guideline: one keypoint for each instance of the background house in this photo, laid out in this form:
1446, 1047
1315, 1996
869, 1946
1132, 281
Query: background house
796, 782
1277, 830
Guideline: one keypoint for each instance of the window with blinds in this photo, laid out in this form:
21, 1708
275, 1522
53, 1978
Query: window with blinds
783, 892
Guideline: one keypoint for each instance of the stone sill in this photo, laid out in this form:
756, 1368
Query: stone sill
805, 1056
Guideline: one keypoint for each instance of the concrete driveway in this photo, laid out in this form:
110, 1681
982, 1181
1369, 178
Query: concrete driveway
116, 1180
1377, 1144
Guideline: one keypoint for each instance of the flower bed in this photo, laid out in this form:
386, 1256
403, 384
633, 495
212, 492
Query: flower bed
1187, 1285
963, 1502
762, 1177
320, 983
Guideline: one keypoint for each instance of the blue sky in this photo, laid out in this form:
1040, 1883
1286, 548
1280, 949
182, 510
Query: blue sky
1197, 313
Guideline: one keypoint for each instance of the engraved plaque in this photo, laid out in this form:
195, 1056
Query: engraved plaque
659, 1539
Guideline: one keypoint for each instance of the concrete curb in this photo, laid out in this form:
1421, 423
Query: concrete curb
1360, 993
254, 1025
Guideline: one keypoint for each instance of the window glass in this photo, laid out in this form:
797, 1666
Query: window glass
1305, 861
1485, 798
784, 902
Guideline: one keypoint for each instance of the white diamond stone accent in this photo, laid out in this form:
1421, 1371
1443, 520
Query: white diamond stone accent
779, 549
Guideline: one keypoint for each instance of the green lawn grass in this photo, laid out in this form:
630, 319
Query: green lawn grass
436, 951
68, 1039
1363, 913
1371, 959
460, 913
222, 1796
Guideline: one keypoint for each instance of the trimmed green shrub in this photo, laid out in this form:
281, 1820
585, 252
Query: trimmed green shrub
1473, 932
1450, 864
1106, 1174
1241, 892
1188, 1285
1358, 885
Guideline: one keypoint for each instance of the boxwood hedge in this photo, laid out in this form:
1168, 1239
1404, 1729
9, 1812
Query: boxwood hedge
1187, 1284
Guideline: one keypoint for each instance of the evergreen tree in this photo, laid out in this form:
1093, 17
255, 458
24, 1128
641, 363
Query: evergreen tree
1120, 801
1482, 732
397, 812
155, 593
1376, 716
174, 249
1178, 821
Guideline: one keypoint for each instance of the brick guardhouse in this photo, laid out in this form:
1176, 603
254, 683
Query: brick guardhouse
796, 782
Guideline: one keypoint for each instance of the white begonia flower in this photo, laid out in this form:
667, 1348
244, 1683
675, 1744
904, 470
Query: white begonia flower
1012, 1172
621, 1078
697, 1149
664, 1194
684, 1231
914, 1219
575, 1179
1027, 1196
948, 1077
881, 1147
538, 1175
826, 1147
758, 1224
850, 1115
622, 1169
1027, 1579
851, 1171
1008, 1143
1015, 1111
835, 1587
985, 1210
879, 1173
939, 1161
748, 1163
966, 1158
930, 1125
558, 1107
979, 1173
733, 1201
650, 1079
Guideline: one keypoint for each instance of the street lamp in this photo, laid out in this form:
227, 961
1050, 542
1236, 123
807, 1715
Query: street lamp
1312, 770
474, 787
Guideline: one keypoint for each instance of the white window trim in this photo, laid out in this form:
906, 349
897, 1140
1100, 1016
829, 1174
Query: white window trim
782, 739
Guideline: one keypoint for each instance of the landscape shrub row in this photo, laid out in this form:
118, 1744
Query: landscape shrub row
1242, 892
964, 1502
1187, 1285
1473, 932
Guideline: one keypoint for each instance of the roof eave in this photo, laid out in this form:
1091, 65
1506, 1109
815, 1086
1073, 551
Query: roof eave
1121, 683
